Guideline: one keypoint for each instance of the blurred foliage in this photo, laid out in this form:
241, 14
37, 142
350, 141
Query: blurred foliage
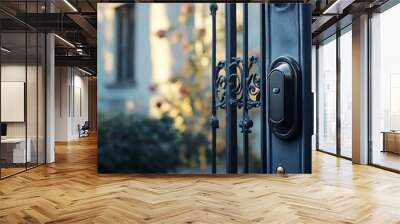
190, 107
134, 143
193, 148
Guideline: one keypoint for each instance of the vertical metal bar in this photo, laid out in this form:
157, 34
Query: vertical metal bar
45, 94
264, 123
26, 87
46, 36
231, 113
369, 78
317, 96
244, 85
37, 89
338, 123
214, 120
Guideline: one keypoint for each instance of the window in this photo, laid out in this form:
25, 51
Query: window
345, 43
327, 96
125, 44
22, 76
385, 89
334, 101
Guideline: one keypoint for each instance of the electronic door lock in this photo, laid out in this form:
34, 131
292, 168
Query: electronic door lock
283, 105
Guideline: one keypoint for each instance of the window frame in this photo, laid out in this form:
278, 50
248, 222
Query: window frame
333, 37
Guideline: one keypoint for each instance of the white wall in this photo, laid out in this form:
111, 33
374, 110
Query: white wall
71, 94
14, 73
33, 126
50, 93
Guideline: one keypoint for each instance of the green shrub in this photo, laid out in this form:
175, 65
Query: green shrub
137, 144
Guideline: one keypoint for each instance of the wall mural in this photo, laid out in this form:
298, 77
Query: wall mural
161, 111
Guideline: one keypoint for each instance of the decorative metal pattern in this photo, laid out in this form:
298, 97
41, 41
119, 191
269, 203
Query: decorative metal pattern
220, 87
235, 79
254, 84
236, 83
246, 124
214, 123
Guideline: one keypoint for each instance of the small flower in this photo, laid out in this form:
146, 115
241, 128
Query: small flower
177, 37
174, 79
161, 33
202, 31
153, 87
186, 47
158, 104
184, 90
187, 8
183, 18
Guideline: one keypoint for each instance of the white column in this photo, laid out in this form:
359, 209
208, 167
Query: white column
50, 99
360, 90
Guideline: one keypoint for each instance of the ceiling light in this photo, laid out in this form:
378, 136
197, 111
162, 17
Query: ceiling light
337, 7
65, 41
70, 5
84, 71
5, 50
329, 9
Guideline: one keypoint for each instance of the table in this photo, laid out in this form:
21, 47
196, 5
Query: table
19, 155
391, 141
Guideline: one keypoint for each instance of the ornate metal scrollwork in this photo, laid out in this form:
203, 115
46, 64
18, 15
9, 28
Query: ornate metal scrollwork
220, 82
254, 84
236, 81
246, 124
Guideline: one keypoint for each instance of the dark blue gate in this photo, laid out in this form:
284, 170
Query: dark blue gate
279, 83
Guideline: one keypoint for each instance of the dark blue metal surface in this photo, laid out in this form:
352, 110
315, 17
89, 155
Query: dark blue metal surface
246, 123
263, 54
214, 123
288, 31
236, 83
230, 105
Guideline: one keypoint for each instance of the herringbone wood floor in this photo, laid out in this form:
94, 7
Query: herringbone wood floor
71, 191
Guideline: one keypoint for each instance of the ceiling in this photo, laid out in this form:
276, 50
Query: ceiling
75, 21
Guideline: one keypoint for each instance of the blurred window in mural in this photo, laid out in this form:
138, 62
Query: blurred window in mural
126, 43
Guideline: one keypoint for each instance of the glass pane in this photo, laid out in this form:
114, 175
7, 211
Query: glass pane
346, 94
31, 97
14, 153
41, 99
385, 84
314, 90
327, 96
